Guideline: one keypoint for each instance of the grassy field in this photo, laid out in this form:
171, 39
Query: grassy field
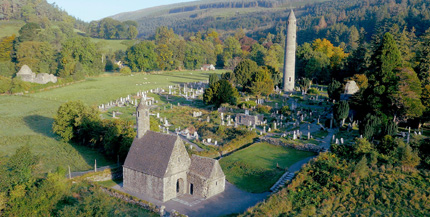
110, 46
27, 120
8, 28
256, 168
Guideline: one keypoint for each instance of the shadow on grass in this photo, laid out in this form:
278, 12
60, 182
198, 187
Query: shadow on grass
40, 124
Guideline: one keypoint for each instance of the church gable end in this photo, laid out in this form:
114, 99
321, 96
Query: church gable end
179, 161
151, 153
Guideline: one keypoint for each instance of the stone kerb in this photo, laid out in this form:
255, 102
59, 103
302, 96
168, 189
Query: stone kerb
300, 147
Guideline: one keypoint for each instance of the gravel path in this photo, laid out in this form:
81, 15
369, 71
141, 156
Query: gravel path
232, 200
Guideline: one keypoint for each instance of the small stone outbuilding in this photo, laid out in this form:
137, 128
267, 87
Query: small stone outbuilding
159, 166
29, 76
245, 119
351, 88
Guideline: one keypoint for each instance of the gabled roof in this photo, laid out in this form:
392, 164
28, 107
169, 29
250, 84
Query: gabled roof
151, 153
25, 70
203, 166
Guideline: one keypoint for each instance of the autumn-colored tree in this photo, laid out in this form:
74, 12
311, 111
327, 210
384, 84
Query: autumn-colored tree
6, 47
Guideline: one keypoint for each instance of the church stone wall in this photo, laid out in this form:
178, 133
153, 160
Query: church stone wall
143, 183
215, 187
170, 186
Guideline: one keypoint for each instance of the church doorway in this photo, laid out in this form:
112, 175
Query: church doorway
180, 186
191, 189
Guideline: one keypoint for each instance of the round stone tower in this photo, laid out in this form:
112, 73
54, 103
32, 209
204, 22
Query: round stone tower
142, 118
290, 54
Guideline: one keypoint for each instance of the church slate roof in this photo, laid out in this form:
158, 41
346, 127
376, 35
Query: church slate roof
151, 153
202, 166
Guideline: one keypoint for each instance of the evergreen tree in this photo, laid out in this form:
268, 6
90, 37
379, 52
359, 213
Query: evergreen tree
382, 77
341, 111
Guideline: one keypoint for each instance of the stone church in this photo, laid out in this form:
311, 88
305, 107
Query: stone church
159, 166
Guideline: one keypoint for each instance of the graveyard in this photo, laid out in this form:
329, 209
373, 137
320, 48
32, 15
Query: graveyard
280, 129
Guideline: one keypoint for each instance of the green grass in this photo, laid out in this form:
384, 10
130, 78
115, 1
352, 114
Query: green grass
98, 90
110, 46
110, 183
254, 169
8, 28
27, 120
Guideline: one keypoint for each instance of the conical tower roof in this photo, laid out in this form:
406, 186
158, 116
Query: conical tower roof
292, 15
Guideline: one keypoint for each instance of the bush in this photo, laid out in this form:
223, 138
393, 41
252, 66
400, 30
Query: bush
125, 70
19, 86
314, 91
263, 109
285, 110
5, 84
247, 104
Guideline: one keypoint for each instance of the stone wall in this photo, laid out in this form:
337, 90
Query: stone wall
170, 186
105, 175
141, 183
215, 187
301, 147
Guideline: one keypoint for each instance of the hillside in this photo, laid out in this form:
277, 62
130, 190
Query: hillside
201, 15
316, 18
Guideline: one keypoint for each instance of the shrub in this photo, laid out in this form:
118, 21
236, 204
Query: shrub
263, 109
314, 91
247, 104
125, 70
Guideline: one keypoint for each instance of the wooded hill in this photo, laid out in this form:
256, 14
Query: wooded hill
201, 15
316, 18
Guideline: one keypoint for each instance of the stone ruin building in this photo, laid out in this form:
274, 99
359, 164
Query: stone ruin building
350, 89
249, 120
159, 166
42, 78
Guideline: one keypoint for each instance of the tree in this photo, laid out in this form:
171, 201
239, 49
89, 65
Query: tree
80, 56
382, 78
29, 32
257, 54
39, 56
6, 48
334, 90
142, 56
369, 126
244, 71
406, 97
125, 70
69, 118
305, 83
222, 92
232, 49
274, 56
341, 111
424, 59
409, 158
213, 78
262, 83
132, 32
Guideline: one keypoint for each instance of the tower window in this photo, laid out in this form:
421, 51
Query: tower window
138, 114
289, 79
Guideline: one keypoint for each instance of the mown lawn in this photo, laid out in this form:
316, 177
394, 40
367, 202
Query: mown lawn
27, 120
257, 168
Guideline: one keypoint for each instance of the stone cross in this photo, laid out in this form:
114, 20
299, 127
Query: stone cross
113, 114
